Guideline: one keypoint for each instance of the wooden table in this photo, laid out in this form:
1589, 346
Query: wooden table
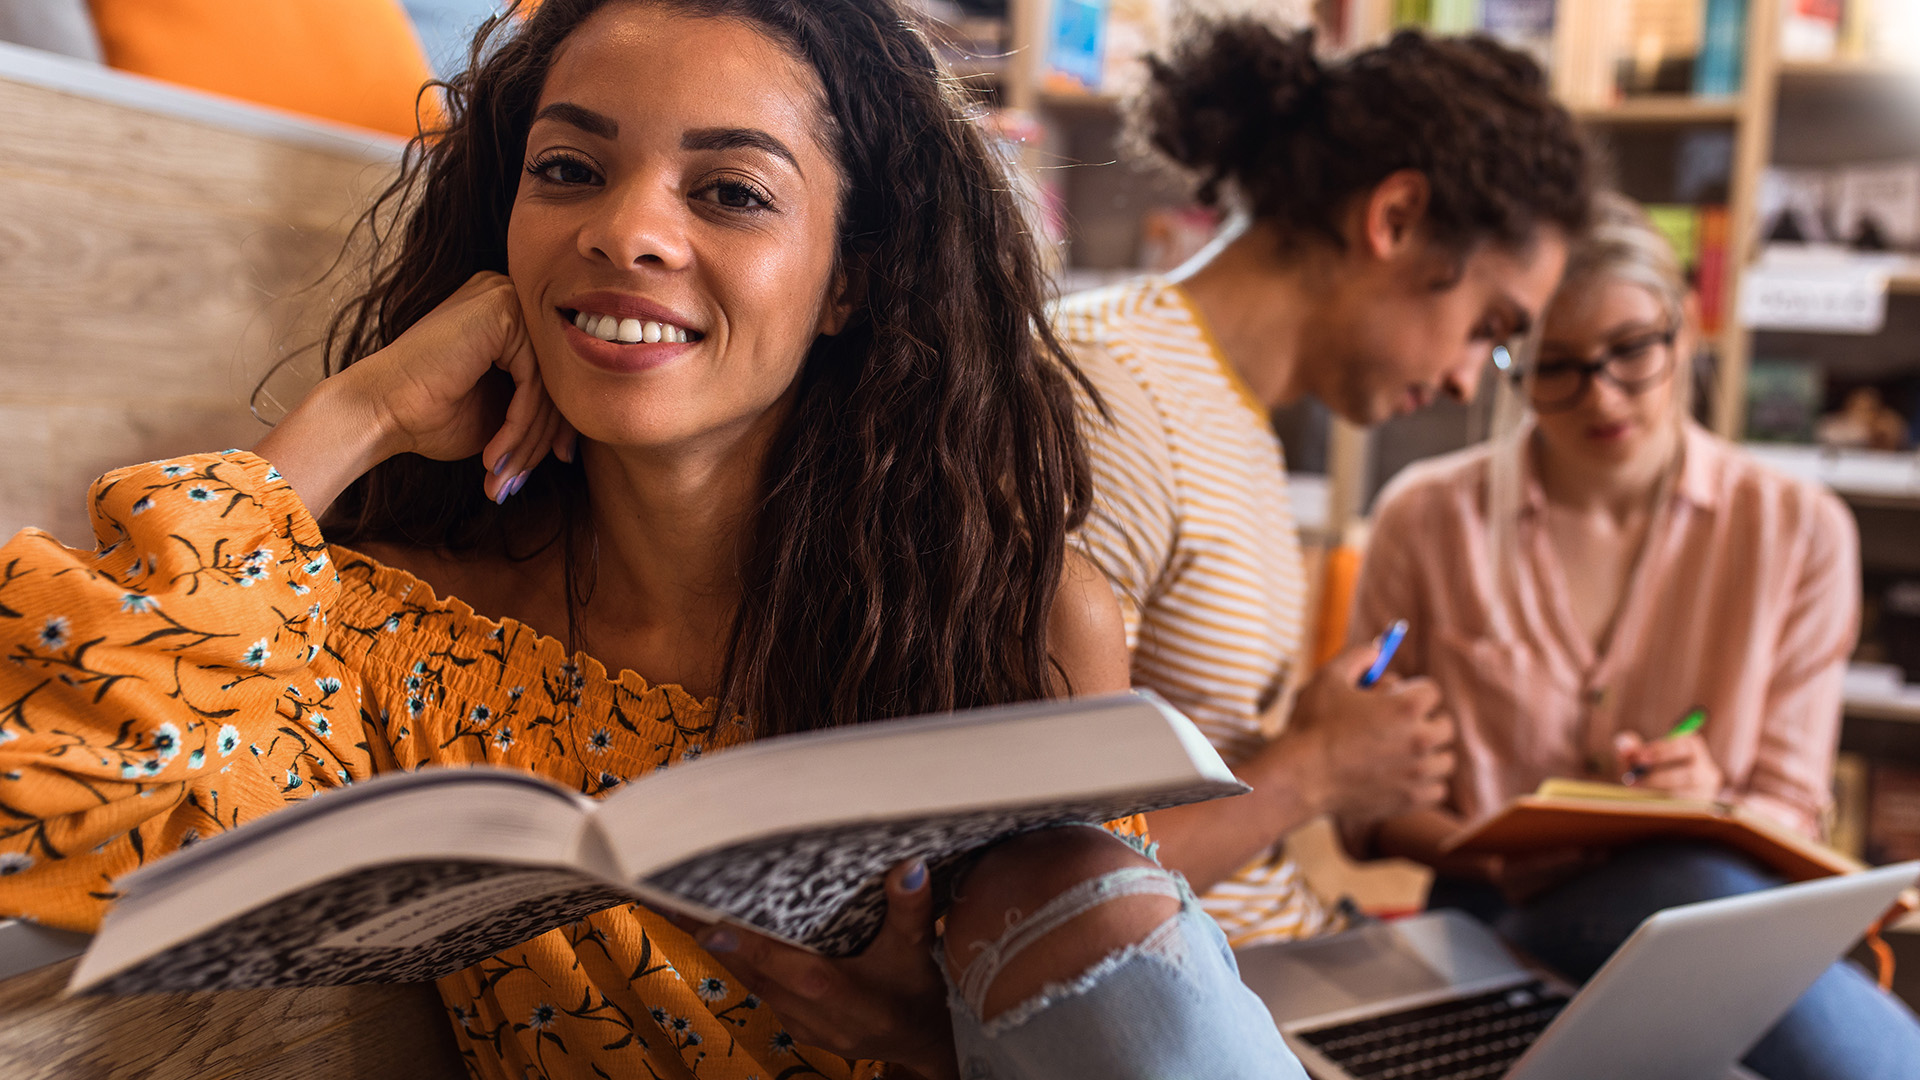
325, 1033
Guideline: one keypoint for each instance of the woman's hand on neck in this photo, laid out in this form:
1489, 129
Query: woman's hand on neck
1253, 302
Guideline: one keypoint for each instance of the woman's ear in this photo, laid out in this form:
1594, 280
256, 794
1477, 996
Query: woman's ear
843, 299
1392, 214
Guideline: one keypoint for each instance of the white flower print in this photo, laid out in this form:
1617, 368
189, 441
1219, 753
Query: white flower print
503, 738
196, 759
256, 654
315, 565
13, 862
327, 685
166, 741
199, 493
710, 988
141, 505
542, 1017
7, 735
171, 471
53, 634
272, 474
599, 741
228, 740
138, 603
321, 726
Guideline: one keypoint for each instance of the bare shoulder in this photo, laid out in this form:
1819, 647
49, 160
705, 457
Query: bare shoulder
1086, 633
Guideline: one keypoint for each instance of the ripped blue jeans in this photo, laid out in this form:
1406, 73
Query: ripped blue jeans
1171, 1007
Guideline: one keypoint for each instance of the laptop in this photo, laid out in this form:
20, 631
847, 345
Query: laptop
1438, 997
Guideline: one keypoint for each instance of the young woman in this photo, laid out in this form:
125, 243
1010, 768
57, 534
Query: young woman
743, 268
1398, 214
1579, 587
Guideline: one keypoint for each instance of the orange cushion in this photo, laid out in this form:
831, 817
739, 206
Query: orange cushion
355, 61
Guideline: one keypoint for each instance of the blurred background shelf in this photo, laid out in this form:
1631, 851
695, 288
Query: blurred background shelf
1882, 476
1663, 109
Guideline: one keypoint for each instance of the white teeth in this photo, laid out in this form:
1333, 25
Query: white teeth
628, 331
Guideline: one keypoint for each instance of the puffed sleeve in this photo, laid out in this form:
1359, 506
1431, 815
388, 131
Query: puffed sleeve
1800, 725
1129, 531
168, 684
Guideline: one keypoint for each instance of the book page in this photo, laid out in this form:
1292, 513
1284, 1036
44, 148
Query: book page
824, 888
395, 923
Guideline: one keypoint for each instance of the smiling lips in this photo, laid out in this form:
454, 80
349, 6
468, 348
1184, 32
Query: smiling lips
630, 331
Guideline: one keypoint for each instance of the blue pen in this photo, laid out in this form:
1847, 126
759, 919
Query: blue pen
1389, 642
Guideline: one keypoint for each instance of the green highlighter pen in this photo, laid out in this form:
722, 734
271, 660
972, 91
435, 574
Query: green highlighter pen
1688, 724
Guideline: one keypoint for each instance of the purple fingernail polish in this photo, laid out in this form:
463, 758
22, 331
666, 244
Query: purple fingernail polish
501, 465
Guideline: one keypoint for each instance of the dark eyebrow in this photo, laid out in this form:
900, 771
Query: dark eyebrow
738, 139
581, 117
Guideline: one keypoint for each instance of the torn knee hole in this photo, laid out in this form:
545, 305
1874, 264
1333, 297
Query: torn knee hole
1073, 940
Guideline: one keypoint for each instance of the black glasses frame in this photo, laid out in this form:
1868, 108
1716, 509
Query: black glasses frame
1602, 369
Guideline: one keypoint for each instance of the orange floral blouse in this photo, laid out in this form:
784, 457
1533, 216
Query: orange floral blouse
215, 659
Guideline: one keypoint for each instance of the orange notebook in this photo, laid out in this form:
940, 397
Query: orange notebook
1581, 814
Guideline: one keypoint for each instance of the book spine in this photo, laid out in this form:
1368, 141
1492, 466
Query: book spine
1718, 70
1711, 268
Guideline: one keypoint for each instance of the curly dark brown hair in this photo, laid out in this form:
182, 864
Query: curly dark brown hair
911, 531
1257, 120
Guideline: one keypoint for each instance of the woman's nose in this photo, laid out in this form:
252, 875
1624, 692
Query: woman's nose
639, 223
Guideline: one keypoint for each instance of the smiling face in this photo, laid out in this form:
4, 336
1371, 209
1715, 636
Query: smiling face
1397, 333
673, 236
1609, 425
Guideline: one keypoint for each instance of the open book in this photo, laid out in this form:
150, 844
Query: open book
1583, 814
416, 875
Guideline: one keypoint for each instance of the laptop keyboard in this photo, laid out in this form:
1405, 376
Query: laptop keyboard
1464, 1039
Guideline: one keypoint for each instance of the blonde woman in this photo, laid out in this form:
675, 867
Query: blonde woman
1578, 586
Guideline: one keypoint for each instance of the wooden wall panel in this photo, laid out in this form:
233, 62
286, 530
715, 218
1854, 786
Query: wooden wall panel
151, 268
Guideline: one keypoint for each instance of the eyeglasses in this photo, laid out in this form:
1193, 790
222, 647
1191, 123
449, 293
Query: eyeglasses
1635, 365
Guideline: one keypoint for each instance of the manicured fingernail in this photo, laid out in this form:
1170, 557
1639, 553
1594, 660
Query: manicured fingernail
514, 485
915, 877
501, 465
720, 941
500, 495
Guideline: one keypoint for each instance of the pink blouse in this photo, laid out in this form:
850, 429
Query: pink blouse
1745, 603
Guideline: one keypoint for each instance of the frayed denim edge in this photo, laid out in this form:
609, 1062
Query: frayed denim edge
1153, 946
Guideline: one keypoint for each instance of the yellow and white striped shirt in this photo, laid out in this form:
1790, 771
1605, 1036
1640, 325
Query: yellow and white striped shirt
1191, 523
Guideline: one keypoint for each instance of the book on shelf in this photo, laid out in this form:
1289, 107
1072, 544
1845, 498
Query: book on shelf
1810, 29
1076, 46
1847, 828
1784, 396
1566, 814
1893, 812
1721, 65
412, 876
1715, 233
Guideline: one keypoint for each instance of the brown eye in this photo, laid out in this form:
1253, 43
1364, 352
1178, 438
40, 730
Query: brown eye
565, 171
737, 195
